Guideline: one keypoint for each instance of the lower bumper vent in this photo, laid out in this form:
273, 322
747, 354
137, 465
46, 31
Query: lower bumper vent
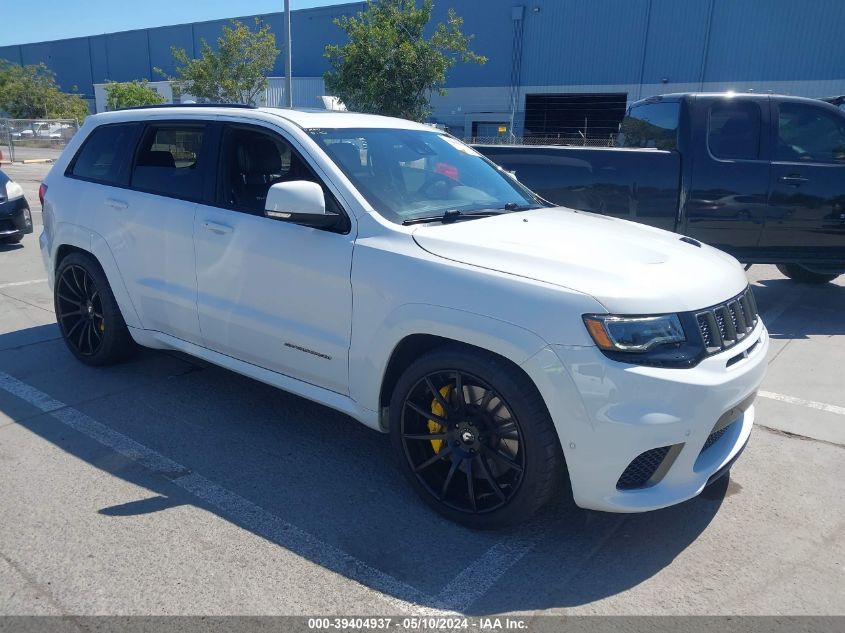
642, 468
715, 436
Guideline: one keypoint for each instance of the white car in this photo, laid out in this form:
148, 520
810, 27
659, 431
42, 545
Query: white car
385, 269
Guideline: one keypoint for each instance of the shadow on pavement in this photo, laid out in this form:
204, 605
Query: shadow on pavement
321, 472
811, 309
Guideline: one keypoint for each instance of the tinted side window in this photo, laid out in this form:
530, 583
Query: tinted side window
167, 161
808, 133
651, 125
104, 153
253, 160
734, 130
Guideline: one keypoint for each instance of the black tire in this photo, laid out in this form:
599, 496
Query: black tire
87, 313
16, 239
508, 431
803, 274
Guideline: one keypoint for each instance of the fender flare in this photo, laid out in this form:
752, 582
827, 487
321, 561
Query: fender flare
93, 243
369, 359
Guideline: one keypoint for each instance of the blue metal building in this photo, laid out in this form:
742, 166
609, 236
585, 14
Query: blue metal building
549, 61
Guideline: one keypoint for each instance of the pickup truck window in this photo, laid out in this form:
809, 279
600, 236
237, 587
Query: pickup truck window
809, 133
652, 125
734, 130
408, 174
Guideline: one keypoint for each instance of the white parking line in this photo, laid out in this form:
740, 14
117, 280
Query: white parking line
477, 579
243, 512
12, 284
811, 404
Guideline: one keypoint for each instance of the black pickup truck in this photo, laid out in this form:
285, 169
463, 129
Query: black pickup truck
759, 176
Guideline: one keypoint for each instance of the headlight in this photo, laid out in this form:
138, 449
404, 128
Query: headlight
13, 190
614, 333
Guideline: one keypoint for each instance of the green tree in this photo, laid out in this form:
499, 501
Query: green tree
388, 66
131, 93
236, 72
30, 92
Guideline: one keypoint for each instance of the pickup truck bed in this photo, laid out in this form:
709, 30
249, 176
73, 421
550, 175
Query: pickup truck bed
760, 176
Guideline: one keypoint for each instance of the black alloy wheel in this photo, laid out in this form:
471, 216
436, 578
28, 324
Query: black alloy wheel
474, 437
80, 310
87, 312
462, 441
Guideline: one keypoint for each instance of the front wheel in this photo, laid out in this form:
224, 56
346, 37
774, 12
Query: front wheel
88, 314
807, 274
474, 438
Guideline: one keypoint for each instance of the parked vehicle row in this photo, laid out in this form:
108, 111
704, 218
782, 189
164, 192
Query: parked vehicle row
512, 349
761, 177
15, 215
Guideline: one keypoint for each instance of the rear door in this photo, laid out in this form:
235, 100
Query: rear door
149, 224
806, 216
728, 188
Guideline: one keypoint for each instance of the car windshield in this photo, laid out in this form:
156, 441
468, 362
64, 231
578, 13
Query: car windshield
411, 174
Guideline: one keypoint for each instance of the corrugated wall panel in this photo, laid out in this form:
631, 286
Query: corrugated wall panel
777, 40
676, 37
11, 53
128, 56
66, 58
161, 41
492, 28
584, 41
99, 59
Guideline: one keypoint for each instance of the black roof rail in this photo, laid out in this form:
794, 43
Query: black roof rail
189, 105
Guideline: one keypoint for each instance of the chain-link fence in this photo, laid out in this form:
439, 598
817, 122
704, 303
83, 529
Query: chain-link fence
35, 139
575, 140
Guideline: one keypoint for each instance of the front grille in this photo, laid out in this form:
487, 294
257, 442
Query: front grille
715, 436
642, 468
724, 325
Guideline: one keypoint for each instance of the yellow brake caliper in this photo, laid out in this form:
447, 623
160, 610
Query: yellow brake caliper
436, 409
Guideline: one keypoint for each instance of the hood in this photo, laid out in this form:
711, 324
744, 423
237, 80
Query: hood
629, 268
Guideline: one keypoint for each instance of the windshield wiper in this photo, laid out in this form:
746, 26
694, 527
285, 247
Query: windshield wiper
515, 206
453, 214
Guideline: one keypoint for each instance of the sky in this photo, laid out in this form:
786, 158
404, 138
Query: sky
61, 19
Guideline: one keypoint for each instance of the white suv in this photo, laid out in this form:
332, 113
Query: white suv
385, 269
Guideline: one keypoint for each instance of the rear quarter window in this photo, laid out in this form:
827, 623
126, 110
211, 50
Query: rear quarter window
651, 125
733, 130
105, 153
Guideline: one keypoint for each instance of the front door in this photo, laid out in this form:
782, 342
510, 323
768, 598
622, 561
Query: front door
806, 216
726, 204
273, 294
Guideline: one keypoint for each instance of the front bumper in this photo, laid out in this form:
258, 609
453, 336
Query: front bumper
607, 414
15, 218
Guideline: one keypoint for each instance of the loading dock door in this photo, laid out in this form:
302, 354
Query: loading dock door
569, 115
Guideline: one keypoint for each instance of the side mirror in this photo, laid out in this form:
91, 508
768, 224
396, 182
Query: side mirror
299, 202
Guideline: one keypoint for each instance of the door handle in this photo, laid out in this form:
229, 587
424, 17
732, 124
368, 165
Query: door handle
116, 204
216, 227
793, 179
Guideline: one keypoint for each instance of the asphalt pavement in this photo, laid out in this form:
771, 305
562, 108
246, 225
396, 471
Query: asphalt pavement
168, 486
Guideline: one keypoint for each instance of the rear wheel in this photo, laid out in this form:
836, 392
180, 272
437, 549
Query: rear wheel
474, 438
87, 312
808, 274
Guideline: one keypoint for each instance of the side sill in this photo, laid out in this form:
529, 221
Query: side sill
328, 398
